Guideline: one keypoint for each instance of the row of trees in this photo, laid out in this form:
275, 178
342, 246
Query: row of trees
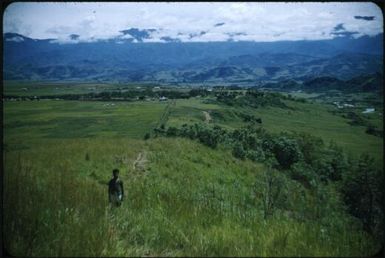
255, 98
251, 98
123, 95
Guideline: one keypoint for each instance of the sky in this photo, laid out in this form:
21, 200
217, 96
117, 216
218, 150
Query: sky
193, 21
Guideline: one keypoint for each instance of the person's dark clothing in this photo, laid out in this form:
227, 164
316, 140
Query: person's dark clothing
115, 191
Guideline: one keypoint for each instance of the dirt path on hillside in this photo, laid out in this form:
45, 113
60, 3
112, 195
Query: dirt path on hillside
207, 116
140, 162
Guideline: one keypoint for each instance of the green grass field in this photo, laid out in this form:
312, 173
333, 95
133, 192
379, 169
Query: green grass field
75, 119
182, 198
21, 88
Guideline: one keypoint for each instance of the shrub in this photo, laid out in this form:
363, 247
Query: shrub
355, 118
172, 131
362, 189
304, 173
285, 150
208, 137
310, 146
274, 191
239, 152
256, 155
374, 131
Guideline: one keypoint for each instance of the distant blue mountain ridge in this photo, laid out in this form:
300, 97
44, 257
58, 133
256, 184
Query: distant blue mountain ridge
120, 59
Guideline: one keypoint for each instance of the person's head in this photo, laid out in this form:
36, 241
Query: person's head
115, 172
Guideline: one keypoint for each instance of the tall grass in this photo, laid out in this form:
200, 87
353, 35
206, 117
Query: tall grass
189, 200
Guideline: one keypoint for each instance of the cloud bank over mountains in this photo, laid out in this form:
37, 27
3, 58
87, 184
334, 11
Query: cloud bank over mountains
191, 22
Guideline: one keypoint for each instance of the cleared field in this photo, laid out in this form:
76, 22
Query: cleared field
75, 119
43, 88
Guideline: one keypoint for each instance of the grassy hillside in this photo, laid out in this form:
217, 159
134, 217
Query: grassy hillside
184, 199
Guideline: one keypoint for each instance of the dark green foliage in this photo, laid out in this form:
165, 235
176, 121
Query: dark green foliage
238, 151
330, 163
199, 92
227, 97
323, 83
87, 157
338, 161
362, 189
310, 146
115, 95
284, 85
146, 136
206, 135
252, 98
273, 188
256, 154
356, 119
210, 137
250, 118
374, 131
172, 131
304, 173
285, 150
217, 115
187, 131
316, 161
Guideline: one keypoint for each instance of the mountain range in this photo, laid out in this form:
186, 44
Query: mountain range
248, 63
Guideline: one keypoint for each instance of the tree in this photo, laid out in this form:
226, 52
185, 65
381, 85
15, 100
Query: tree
273, 190
310, 146
172, 131
208, 137
362, 192
285, 150
238, 151
304, 173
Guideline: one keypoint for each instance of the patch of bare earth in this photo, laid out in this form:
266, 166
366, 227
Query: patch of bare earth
140, 162
207, 116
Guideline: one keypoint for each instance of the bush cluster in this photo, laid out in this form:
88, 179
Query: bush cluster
252, 98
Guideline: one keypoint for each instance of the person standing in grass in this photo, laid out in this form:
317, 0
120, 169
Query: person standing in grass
115, 189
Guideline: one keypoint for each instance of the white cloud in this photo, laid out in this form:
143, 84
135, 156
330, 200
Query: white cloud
259, 21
